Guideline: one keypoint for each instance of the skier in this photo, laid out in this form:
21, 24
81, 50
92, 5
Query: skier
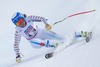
36, 36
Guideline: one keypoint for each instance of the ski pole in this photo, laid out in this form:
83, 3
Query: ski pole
73, 15
21, 54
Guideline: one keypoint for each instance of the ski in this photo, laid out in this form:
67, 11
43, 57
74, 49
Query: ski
89, 36
49, 55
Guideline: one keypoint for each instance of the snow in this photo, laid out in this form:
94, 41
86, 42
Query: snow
79, 55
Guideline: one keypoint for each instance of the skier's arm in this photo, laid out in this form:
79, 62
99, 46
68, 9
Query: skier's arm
16, 43
41, 19
38, 19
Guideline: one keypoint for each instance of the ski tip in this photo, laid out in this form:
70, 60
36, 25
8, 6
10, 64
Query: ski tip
48, 55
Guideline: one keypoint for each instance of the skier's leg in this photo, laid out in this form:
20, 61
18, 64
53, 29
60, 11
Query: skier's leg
43, 34
49, 38
54, 38
81, 34
38, 43
84, 35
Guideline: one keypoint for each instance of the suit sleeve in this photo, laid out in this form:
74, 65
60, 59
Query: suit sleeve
16, 42
38, 19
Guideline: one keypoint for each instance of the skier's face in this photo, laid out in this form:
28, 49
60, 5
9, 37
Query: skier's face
21, 23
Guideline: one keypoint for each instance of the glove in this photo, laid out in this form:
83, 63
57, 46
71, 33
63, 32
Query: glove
48, 27
18, 58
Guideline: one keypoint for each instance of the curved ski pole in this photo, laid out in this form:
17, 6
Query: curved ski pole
72, 16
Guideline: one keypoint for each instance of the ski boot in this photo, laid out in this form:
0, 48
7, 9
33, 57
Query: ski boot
87, 35
55, 45
84, 34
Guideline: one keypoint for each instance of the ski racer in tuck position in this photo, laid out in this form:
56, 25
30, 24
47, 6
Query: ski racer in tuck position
36, 36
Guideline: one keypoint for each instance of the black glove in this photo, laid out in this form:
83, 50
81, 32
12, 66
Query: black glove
18, 58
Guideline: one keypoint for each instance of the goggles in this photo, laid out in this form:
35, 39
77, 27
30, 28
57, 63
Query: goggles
19, 23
